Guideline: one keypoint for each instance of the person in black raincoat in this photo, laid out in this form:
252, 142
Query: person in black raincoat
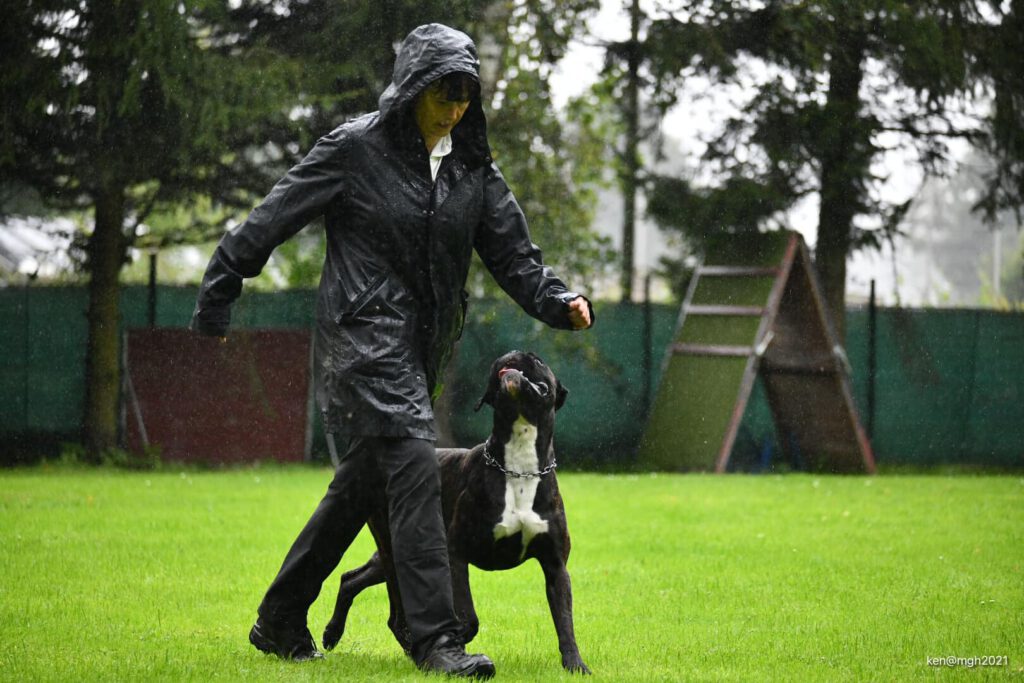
407, 193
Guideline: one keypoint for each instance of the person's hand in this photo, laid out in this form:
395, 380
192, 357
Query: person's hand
211, 321
579, 313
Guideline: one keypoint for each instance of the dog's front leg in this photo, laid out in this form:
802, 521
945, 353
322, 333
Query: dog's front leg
559, 591
463, 598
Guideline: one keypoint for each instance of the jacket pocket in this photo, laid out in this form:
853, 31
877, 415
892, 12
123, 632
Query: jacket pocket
359, 303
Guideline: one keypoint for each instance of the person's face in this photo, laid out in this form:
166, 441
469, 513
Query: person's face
435, 114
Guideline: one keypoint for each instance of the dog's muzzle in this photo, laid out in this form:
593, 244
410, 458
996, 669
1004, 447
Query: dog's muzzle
513, 382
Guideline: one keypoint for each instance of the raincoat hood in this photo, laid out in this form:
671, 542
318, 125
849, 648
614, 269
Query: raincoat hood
428, 53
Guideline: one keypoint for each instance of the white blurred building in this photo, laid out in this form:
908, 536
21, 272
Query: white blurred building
33, 247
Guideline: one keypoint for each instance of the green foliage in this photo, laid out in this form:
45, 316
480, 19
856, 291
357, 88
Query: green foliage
739, 205
124, 97
1002, 61
732, 578
553, 169
297, 263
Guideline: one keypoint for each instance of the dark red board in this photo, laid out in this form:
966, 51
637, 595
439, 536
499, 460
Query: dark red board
200, 399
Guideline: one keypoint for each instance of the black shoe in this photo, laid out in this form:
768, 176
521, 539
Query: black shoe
448, 656
284, 640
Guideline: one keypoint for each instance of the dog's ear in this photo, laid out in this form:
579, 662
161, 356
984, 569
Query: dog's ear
489, 394
493, 382
561, 393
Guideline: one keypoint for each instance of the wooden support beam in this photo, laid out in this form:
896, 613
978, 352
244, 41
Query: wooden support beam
716, 309
736, 271
821, 369
712, 350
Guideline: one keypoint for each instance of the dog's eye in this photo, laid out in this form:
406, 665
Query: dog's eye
543, 389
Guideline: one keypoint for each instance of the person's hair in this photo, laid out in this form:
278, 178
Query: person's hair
457, 86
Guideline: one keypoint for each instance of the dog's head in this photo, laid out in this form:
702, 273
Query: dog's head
523, 381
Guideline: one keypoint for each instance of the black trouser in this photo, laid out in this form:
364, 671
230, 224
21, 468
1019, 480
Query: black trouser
405, 473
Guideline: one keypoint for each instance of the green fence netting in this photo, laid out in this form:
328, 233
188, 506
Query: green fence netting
949, 384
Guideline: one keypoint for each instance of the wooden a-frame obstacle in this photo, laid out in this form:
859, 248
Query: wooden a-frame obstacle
754, 308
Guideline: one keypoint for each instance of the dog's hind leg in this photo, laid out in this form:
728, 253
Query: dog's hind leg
352, 584
559, 591
463, 598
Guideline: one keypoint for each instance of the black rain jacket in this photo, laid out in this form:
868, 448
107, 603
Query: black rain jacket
391, 303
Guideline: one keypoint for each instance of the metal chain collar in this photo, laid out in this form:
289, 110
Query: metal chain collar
489, 459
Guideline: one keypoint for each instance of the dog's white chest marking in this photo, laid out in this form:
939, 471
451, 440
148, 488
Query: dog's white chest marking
518, 515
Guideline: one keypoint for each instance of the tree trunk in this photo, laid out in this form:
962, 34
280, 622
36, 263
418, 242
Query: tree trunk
631, 160
110, 65
491, 33
106, 250
844, 163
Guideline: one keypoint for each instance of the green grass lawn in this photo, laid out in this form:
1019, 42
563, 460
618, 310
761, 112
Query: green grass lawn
110, 575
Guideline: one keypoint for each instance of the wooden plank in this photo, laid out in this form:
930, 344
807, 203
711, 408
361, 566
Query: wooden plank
864, 443
801, 369
736, 271
802, 364
711, 350
754, 362
714, 309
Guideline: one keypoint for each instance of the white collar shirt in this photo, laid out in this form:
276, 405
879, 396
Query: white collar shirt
442, 149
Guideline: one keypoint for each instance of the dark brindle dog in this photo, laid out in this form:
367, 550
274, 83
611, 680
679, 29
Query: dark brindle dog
501, 507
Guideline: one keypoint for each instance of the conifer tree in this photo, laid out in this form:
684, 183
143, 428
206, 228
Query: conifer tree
836, 84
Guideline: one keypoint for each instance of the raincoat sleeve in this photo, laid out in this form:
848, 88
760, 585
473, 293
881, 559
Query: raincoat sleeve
299, 197
503, 242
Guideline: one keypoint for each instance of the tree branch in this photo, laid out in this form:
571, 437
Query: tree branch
913, 131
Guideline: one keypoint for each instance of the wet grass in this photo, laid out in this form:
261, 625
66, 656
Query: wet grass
110, 575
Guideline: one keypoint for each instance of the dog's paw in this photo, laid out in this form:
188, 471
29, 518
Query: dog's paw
576, 666
507, 527
332, 635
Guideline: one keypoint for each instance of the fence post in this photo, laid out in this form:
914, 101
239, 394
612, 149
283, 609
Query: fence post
872, 359
648, 336
26, 357
152, 287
